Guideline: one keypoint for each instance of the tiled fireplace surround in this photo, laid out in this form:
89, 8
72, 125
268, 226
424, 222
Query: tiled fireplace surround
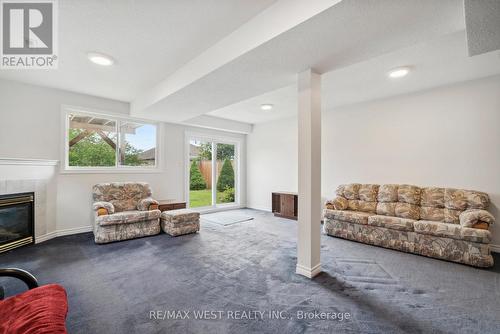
39, 187
37, 176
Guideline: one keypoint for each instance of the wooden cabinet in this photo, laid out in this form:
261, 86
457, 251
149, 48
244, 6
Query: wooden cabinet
169, 204
285, 204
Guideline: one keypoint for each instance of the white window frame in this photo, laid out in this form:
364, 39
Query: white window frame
117, 118
237, 169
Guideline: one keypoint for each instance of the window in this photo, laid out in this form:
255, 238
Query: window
100, 141
212, 173
138, 144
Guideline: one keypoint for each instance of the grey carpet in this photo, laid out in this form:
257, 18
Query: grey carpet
226, 218
112, 288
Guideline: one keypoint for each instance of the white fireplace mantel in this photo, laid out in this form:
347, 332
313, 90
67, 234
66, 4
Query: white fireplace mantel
31, 162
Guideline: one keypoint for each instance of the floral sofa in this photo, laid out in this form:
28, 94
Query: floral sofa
124, 210
445, 223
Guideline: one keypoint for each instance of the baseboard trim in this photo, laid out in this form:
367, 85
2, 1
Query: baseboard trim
259, 208
308, 272
60, 233
495, 248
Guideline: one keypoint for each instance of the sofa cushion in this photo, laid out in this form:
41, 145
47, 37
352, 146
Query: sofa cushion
406, 210
38, 311
386, 208
452, 231
368, 192
477, 200
438, 229
352, 204
394, 223
358, 205
351, 191
126, 217
340, 203
356, 217
432, 197
452, 216
455, 199
370, 207
460, 199
388, 193
409, 194
123, 195
431, 213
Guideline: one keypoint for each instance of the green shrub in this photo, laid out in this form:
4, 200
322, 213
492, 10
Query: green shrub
227, 196
226, 177
196, 180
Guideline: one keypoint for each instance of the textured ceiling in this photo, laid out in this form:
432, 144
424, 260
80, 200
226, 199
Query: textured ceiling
149, 40
349, 32
435, 63
352, 43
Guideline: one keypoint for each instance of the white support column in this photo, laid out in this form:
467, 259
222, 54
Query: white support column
309, 222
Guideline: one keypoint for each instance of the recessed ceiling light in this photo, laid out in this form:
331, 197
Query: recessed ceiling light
399, 72
266, 107
100, 59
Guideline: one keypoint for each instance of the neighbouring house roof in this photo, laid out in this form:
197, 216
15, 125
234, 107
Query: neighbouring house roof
148, 155
194, 151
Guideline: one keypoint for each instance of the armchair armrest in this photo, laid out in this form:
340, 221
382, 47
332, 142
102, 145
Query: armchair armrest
23, 275
339, 203
103, 208
147, 204
476, 218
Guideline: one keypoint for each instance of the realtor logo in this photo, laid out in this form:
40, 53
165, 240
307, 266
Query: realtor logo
29, 34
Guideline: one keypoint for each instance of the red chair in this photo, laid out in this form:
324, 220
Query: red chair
40, 310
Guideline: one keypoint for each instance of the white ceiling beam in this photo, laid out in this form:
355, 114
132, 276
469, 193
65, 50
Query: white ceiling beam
270, 23
482, 21
220, 124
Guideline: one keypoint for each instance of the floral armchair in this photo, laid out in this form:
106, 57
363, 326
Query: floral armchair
124, 210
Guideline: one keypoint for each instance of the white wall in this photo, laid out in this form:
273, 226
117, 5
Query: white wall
271, 161
30, 127
447, 137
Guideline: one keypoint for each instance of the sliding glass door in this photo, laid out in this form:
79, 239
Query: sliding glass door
225, 189
200, 174
212, 173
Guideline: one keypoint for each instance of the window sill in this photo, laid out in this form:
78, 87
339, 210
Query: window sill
112, 171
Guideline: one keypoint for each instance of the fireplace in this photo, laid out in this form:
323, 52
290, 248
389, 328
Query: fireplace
16, 221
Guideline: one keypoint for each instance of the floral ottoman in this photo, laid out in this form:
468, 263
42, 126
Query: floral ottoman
180, 222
